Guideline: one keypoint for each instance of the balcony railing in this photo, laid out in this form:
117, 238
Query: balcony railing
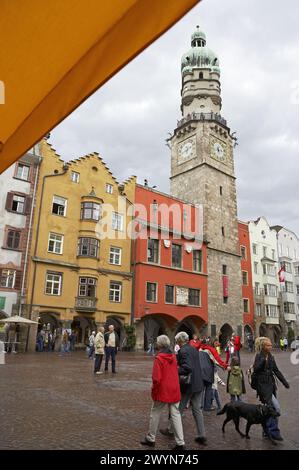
88, 304
202, 117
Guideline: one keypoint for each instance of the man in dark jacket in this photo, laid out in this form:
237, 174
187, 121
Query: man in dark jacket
111, 345
188, 363
207, 372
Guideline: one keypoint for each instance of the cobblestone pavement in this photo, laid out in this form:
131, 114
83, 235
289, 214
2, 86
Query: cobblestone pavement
54, 402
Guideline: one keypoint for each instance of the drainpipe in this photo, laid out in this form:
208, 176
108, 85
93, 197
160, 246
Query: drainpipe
28, 236
65, 168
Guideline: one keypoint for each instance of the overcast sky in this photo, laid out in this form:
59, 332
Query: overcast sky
257, 42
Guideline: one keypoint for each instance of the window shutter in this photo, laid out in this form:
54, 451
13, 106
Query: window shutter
9, 199
27, 205
18, 280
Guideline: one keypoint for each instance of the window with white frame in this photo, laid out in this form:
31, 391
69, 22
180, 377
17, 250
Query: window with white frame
90, 211
151, 292
87, 287
153, 250
109, 188
75, 177
53, 283
264, 251
270, 290
88, 246
8, 277
287, 266
115, 291
55, 244
59, 205
269, 269
289, 287
289, 307
115, 255
258, 310
18, 204
22, 172
297, 289
117, 221
271, 311
256, 267
254, 248
296, 270
257, 288
273, 255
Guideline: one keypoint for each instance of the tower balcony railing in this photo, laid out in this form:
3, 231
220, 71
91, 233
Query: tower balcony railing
202, 117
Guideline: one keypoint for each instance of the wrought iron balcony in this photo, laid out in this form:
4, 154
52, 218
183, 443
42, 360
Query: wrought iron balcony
87, 304
202, 117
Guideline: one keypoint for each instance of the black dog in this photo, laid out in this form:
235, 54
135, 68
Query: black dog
254, 414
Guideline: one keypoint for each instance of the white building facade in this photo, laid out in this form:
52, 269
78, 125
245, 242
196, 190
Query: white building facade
17, 185
288, 253
265, 267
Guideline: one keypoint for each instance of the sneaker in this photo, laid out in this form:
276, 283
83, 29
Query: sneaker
210, 409
98, 373
166, 432
114, 372
148, 443
278, 438
201, 440
177, 447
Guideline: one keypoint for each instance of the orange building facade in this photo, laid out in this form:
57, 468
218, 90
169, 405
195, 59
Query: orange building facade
247, 286
169, 262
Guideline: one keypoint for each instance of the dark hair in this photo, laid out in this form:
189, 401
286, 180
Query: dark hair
235, 361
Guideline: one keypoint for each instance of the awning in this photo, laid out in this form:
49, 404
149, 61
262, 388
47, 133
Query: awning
18, 319
56, 53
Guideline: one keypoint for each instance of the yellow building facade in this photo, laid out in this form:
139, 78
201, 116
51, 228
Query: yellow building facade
80, 261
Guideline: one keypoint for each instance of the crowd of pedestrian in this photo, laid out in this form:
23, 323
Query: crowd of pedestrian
188, 376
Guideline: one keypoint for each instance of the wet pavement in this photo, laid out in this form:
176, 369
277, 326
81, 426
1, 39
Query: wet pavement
56, 402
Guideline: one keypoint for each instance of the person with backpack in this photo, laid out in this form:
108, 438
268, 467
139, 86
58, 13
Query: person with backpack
235, 380
263, 381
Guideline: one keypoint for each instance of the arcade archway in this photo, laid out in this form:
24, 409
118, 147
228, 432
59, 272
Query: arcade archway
225, 333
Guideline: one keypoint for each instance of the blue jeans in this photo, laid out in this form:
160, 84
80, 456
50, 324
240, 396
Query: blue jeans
91, 351
98, 362
110, 352
216, 398
272, 423
208, 396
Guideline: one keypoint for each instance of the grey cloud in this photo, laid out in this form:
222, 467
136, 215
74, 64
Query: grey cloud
128, 120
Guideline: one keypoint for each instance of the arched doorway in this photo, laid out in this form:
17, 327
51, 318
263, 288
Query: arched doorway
82, 327
187, 327
48, 322
118, 327
263, 329
225, 333
154, 326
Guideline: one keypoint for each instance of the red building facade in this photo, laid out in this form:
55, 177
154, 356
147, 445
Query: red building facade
247, 286
169, 263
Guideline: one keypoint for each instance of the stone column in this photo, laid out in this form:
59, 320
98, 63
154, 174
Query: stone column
139, 326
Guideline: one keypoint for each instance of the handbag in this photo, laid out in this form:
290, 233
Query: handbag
185, 379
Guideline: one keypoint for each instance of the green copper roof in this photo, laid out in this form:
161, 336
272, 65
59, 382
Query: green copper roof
199, 56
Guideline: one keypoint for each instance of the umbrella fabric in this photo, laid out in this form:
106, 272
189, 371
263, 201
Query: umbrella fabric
54, 54
17, 319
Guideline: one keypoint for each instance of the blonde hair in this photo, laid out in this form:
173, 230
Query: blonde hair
259, 343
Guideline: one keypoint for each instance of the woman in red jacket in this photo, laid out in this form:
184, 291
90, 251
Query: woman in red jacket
165, 391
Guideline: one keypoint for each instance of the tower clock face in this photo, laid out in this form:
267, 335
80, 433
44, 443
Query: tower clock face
218, 151
186, 150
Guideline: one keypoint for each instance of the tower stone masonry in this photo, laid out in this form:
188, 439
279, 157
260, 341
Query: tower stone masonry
202, 172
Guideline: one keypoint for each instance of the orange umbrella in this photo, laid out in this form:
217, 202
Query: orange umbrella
56, 53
